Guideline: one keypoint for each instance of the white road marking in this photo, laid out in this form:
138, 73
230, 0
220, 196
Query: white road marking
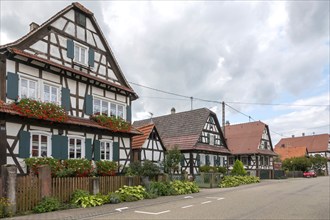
205, 202
120, 209
188, 197
220, 198
217, 198
152, 213
187, 206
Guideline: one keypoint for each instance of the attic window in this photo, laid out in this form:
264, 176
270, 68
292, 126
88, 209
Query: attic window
80, 19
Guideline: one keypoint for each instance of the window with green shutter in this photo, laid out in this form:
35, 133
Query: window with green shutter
66, 101
128, 113
91, 57
115, 151
24, 144
88, 105
60, 147
88, 148
97, 150
70, 48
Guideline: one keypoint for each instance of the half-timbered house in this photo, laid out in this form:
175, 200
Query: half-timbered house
251, 143
318, 144
67, 61
148, 146
197, 135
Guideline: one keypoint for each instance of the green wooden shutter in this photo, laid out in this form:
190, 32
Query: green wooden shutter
182, 160
91, 57
24, 144
207, 158
208, 138
218, 161
70, 48
66, 102
88, 105
198, 160
115, 152
128, 113
60, 147
88, 148
97, 150
215, 161
12, 85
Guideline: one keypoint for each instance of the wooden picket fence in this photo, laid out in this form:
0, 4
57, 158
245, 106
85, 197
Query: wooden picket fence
113, 183
27, 193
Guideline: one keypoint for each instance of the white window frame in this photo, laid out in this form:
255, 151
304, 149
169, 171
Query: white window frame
50, 86
78, 59
49, 147
104, 141
21, 76
109, 106
75, 150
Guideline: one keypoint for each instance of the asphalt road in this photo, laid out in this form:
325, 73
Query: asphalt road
271, 199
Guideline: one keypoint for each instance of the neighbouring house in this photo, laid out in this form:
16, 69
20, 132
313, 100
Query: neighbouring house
148, 146
196, 133
68, 62
251, 143
290, 152
315, 144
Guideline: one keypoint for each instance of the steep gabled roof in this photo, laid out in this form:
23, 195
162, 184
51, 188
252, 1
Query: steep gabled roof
18, 44
183, 129
314, 143
245, 138
290, 152
138, 141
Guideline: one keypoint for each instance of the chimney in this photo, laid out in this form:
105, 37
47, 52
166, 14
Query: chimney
303, 134
172, 110
293, 135
33, 26
227, 123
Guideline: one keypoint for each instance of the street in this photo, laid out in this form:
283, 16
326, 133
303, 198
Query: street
274, 199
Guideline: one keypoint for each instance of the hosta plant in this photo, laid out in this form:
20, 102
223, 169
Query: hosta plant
131, 193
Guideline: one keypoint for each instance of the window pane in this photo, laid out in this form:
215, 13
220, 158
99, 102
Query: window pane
46, 93
105, 108
78, 148
76, 53
108, 151
113, 109
72, 148
35, 145
32, 90
97, 106
54, 94
83, 55
44, 146
121, 111
24, 88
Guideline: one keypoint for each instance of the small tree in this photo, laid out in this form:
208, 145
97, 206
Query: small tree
172, 160
296, 164
238, 169
318, 163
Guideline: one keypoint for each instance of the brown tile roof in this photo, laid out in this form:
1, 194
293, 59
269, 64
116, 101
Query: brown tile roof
290, 152
245, 138
138, 141
7, 109
314, 143
183, 129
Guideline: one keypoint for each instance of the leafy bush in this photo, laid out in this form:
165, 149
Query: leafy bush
238, 169
131, 193
77, 194
135, 168
205, 168
232, 181
114, 198
4, 204
106, 168
222, 170
183, 187
91, 200
147, 168
80, 167
172, 160
160, 188
47, 204
35, 162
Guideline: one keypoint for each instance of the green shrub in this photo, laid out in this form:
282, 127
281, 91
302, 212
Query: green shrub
77, 194
35, 162
114, 198
106, 168
4, 204
80, 167
47, 204
205, 168
91, 200
222, 170
131, 193
183, 187
160, 188
149, 169
232, 181
238, 169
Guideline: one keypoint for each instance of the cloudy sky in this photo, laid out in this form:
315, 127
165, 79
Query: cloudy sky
268, 60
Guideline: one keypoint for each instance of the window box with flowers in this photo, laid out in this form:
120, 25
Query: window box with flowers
40, 110
114, 123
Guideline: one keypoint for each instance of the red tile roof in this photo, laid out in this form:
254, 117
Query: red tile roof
139, 140
290, 152
71, 120
314, 143
245, 138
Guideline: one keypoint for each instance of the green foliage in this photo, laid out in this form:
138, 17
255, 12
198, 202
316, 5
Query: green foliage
114, 123
206, 168
296, 164
131, 193
83, 199
80, 167
106, 167
318, 163
135, 168
77, 194
114, 198
238, 169
232, 181
148, 168
161, 188
183, 187
222, 170
47, 204
4, 204
172, 160
35, 162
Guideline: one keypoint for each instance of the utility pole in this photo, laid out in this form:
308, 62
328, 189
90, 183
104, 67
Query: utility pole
223, 118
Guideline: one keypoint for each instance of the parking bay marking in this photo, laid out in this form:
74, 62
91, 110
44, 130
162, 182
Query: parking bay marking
152, 213
187, 206
205, 202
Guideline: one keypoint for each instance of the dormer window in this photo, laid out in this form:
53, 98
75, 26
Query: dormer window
80, 54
